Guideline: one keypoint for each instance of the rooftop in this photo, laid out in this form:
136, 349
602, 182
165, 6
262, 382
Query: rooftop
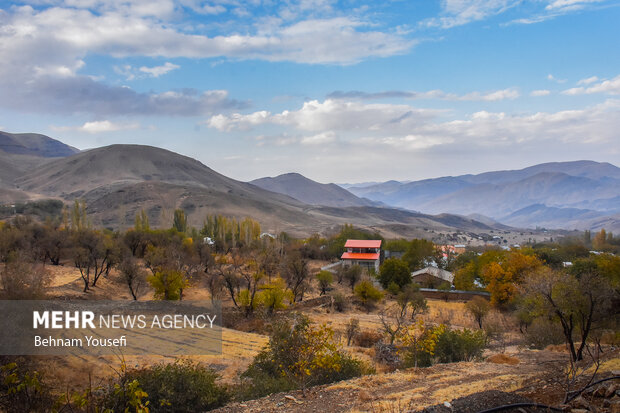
362, 243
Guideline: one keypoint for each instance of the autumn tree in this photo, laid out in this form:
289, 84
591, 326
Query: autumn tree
167, 284
274, 295
478, 307
367, 293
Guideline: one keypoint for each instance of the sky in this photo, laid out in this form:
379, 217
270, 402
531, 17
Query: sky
339, 91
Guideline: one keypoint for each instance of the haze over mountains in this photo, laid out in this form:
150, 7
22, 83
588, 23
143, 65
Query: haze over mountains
580, 194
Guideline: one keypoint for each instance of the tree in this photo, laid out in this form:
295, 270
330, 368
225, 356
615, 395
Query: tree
478, 307
167, 284
274, 294
302, 354
21, 280
295, 273
393, 322
394, 270
410, 296
132, 275
353, 274
180, 222
367, 293
578, 301
325, 279
352, 329
420, 254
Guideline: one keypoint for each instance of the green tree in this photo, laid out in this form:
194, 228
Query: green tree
578, 301
420, 254
394, 270
325, 279
367, 293
180, 222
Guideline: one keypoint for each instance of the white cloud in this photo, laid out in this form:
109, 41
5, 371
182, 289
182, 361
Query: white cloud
330, 115
569, 4
495, 95
100, 126
611, 87
540, 92
555, 79
158, 71
319, 139
460, 12
412, 129
588, 80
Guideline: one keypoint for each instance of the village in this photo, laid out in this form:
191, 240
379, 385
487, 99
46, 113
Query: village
367, 308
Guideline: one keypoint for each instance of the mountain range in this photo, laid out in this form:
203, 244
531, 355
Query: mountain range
118, 181
569, 195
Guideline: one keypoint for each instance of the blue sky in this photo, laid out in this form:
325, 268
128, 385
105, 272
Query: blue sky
340, 91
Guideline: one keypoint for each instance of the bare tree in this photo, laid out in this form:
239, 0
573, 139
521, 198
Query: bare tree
393, 321
132, 275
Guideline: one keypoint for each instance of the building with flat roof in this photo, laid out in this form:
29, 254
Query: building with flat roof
365, 253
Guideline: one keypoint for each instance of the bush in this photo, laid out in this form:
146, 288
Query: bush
298, 355
367, 339
182, 386
542, 333
21, 390
454, 345
325, 279
340, 303
367, 293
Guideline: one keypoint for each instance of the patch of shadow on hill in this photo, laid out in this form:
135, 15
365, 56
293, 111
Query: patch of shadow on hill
485, 400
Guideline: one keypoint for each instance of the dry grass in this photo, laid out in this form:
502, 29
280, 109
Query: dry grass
502, 358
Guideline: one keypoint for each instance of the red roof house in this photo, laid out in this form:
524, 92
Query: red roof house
366, 253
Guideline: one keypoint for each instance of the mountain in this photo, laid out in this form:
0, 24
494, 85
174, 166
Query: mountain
120, 180
573, 193
34, 144
311, 192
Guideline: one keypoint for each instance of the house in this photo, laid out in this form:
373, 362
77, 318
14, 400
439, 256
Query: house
365, 253
432, 277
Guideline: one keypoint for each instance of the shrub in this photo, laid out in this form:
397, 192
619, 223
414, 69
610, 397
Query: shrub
21, 390
298, 355
454, 345
325, 279
367, 339
367, 293
478, 307
182, 386
340, 303
542, 333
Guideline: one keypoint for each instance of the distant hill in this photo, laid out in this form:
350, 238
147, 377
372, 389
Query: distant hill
34, 144
513, 197
120, 180
311, 192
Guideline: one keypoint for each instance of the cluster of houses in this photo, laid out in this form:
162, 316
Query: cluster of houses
367, 254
